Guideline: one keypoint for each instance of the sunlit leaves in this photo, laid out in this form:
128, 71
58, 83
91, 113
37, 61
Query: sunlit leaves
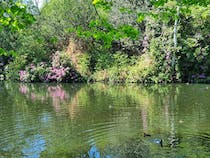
7, 53
129, 31
158, 3
194, 2
126, 10
140, 18
203, 12
106, 5
103, 31
14, 15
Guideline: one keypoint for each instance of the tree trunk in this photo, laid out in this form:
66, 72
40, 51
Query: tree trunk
175, 37
175, 26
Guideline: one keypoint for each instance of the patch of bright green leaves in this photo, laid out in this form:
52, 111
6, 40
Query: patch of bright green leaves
14, 15
106, 5
104, 32
158, 3
7, 53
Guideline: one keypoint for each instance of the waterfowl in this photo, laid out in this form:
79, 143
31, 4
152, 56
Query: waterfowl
155, 140
147, 135
158, 141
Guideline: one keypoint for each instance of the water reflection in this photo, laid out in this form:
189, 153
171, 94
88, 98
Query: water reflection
23, 89
34, 146
97, 120
55, 93
94, 152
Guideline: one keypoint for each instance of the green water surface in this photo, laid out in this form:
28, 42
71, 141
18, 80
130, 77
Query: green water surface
104, 121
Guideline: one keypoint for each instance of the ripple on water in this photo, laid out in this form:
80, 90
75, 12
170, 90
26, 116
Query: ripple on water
98, 131
21, 136
196, 137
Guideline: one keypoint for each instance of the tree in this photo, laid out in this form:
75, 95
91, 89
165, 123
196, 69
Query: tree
14, 15
181, 7
13, 18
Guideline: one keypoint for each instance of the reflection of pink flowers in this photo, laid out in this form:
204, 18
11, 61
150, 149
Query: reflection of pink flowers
23, 89
57, 92
58, 95
33, 96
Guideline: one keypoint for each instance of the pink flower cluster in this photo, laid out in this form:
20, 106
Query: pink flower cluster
57, 74
23, 75
32, 66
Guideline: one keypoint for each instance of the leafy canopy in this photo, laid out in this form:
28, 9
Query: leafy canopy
14, 15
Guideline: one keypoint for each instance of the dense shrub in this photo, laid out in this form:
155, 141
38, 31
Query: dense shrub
130, 69
13, 68
59, 69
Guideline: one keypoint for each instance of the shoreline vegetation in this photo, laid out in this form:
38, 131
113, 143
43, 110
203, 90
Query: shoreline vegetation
164, 41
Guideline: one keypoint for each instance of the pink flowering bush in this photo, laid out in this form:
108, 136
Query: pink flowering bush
61, 69
57, 74
34, 73
58, 70
61, 74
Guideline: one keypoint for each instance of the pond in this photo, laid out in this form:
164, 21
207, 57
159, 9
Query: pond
104, 121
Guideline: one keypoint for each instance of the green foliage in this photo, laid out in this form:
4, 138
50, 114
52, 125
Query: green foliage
128, 69
158, 3
14, 15
33, 45
13, 68
7, 53
143, 71
13, 18
174, 39
140, 18
119, 67
103, 4
195, 43
35, 73
103, 60
84, 65
105, 33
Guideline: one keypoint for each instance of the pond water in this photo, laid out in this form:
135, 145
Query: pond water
104, 121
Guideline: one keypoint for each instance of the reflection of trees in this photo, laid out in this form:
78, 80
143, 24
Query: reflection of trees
163, 111
103, 114
173, 139
28, 116
73, 105
144, 120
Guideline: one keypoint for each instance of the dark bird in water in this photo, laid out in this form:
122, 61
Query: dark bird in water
158, 141
147, 135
